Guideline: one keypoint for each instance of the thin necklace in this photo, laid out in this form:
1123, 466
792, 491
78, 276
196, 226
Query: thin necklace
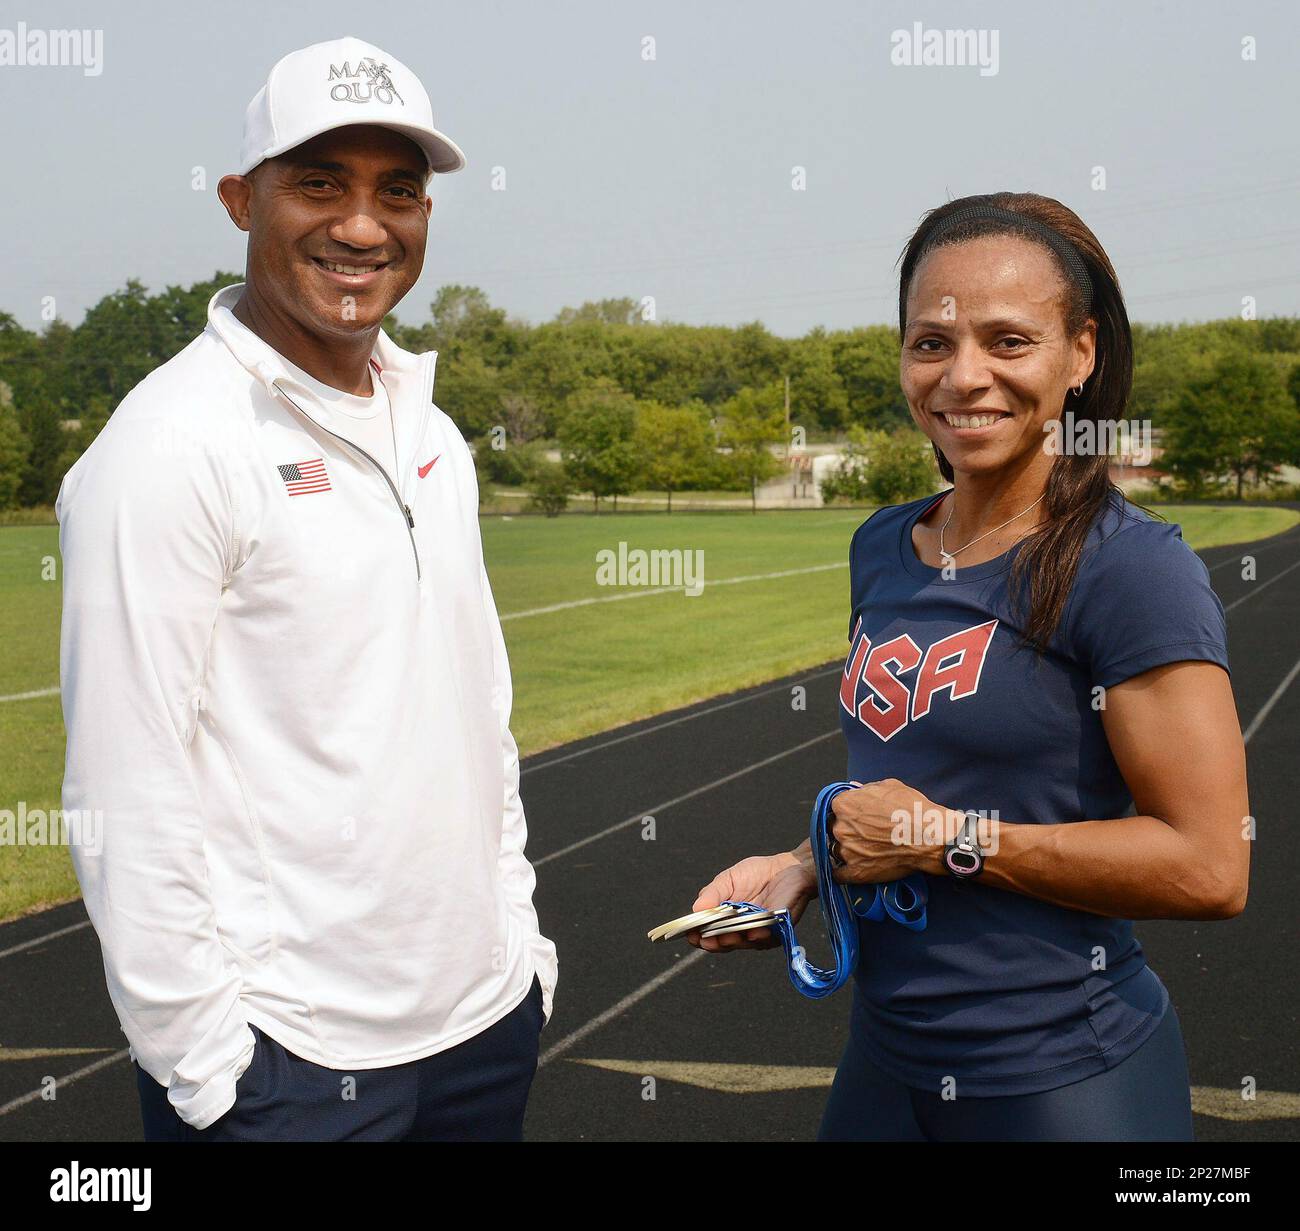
948, 555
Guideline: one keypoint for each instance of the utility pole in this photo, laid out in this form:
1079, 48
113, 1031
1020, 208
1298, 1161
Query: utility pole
794, 490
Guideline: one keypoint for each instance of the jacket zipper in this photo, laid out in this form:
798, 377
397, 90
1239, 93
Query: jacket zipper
426, 400
392, 487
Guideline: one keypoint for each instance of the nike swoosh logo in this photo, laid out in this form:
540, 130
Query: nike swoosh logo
423, 470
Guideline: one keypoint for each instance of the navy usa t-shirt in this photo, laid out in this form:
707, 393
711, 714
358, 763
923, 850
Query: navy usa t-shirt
1001, 991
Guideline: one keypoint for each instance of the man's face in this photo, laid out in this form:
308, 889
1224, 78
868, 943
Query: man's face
337, 228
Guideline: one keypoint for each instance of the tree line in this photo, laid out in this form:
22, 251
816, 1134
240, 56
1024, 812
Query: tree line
601, 401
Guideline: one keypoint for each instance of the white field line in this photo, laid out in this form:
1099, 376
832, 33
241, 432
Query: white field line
27, 696
640, 592
647, 591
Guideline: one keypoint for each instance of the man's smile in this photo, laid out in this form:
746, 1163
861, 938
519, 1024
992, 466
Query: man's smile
353, 275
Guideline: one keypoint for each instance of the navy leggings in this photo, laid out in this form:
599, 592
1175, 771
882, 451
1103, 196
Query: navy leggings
475, 1091
1146, 1097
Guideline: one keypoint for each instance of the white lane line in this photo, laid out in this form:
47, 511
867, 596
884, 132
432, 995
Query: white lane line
32, 1095
672, 722
27, 696
728, 1078
1261, 545
40, 940
1258, 720
655, 809
615, 1010
648, 591
1255, 589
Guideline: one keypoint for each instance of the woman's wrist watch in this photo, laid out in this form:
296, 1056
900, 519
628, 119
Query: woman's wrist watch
962, 856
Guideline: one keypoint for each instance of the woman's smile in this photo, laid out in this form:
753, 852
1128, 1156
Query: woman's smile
963, 425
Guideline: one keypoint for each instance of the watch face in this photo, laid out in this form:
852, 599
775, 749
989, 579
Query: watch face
961, 862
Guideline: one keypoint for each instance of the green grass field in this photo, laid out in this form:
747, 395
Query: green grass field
505, 499
576, 671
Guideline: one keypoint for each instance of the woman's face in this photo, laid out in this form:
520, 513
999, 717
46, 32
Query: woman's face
986, 362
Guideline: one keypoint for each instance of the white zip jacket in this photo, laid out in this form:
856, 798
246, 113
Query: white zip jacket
286, 689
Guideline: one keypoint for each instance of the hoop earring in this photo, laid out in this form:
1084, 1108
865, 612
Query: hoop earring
1079, 391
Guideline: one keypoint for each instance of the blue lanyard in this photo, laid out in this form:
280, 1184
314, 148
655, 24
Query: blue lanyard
903, 901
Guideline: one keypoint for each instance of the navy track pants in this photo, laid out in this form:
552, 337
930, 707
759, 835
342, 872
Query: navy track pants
475, 1091
1146, 1097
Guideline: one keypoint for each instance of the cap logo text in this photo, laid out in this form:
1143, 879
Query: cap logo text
369, 80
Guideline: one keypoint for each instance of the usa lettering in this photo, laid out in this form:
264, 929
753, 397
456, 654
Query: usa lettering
872, 691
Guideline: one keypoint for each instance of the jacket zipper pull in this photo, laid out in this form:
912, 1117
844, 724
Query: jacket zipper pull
410, 521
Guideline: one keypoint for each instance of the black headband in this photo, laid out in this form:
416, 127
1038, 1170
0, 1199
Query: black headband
1063, 248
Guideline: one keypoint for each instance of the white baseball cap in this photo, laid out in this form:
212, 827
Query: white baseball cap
331, 85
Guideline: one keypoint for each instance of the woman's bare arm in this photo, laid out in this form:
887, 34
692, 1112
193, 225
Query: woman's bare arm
1175, 736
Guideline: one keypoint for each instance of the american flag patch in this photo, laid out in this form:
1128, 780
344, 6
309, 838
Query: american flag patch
303, 478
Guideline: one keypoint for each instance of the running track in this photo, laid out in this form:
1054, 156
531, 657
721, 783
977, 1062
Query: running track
734, 1052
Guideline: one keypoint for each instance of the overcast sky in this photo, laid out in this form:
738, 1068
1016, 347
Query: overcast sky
671, 177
